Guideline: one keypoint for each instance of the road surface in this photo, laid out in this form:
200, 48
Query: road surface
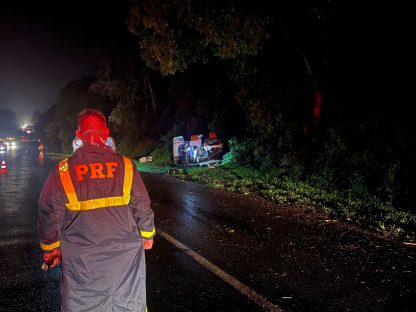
276, 258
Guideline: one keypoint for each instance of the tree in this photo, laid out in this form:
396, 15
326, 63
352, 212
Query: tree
8, 122
175, 34
35, 117
60, 122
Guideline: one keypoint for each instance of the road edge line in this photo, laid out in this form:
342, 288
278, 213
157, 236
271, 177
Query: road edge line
232, 281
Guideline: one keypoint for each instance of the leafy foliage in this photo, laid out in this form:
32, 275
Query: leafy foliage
8, 123
172, 35
62, 121
251, 72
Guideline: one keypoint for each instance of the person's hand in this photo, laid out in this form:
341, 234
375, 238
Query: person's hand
51, 259
147, 243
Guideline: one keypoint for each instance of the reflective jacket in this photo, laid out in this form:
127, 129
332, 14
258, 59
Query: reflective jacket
95, 207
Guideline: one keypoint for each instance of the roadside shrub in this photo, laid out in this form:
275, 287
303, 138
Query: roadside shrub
329, 168
253, 152
230, 157
125, 146
145, 148
134, 149
291, 165
241, 151
162, 155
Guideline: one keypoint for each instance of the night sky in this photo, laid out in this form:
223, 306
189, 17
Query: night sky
45, 45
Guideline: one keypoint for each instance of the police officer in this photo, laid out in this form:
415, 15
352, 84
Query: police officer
95, 218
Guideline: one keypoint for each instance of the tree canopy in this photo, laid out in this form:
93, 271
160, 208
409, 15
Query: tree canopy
288, 85
8, 123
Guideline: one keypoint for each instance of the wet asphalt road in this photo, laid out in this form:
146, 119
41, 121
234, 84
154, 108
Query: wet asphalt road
23, 286
175, 281
298, 260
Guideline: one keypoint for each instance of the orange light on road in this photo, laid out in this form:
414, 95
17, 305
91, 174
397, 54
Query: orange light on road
41, 157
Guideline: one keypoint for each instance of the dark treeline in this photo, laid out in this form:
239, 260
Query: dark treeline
8, 123
316, 90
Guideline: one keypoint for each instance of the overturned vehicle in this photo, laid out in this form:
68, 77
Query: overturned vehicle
198, 150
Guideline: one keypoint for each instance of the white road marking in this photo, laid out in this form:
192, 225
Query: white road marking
241, 287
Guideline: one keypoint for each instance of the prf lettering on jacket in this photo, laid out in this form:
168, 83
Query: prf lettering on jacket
96, 170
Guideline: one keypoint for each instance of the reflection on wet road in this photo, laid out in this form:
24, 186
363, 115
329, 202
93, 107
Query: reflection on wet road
175, 281
292, 259
23, 286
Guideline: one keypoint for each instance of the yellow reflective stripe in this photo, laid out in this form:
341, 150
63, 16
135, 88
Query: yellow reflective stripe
50, 246
76, 205
67, 182
147, 234
128, 179
97, 203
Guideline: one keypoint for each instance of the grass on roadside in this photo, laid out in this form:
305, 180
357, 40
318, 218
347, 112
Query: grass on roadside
367, 211
149, 167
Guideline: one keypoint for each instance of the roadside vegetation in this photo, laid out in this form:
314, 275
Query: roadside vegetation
305, 117
315, 192
275, 186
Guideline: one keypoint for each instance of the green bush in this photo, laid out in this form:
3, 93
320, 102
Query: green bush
229, 158
135, 149
145, 148
162, 155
